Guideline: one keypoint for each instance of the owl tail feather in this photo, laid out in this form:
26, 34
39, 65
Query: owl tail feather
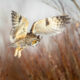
11, 45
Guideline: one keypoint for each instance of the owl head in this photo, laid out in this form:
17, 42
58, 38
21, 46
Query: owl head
35, 41
32, 40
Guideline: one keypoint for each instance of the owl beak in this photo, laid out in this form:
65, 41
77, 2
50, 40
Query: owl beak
38, 37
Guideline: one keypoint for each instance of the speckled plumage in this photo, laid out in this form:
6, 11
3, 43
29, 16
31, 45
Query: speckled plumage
19, 36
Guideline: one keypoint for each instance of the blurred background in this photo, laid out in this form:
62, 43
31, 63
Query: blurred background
56, 57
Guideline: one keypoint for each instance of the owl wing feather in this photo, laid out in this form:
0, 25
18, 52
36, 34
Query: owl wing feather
50, 25
19, 29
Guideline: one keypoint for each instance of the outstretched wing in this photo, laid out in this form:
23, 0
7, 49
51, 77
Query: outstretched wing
50, 25
19, 29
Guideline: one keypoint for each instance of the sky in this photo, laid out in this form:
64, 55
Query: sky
33, 10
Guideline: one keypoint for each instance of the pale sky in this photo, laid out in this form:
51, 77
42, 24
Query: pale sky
31, 9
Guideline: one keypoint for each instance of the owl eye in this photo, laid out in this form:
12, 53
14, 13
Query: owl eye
34, 42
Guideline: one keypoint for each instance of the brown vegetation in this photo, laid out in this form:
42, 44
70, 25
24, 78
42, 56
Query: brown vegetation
61, 62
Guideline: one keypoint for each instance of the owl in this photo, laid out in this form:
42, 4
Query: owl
20, 38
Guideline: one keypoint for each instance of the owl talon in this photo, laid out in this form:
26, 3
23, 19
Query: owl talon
15, 53
19, 54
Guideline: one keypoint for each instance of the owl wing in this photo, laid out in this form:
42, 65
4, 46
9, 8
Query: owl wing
49, 25
19, 29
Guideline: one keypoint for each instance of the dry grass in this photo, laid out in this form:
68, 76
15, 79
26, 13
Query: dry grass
61, 62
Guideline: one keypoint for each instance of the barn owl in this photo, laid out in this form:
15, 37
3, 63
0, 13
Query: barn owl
20, 38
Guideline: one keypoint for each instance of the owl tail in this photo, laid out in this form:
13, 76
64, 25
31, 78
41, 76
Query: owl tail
11, 45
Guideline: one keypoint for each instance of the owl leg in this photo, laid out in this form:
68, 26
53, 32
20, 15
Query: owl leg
16, 52
19, 52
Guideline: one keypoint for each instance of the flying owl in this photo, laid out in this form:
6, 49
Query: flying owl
20, 38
